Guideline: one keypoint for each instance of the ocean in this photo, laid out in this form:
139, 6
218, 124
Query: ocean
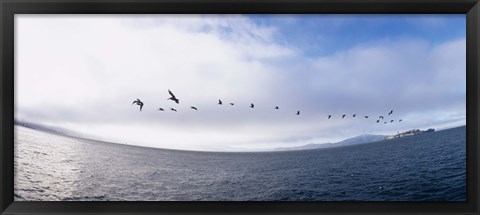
427, 167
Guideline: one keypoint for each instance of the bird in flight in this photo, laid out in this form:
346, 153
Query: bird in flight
160, 109
380, 117
298, 112
276, 108
391, 112
366, 117
252, 105
399, 120
231, 104
354, 115
343, 116
391, 121
220, 102
193, 107
378, 121
173, 109
172, 97
384, 122
138, 102
329, 116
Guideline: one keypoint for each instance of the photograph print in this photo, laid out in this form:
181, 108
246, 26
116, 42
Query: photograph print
240, 107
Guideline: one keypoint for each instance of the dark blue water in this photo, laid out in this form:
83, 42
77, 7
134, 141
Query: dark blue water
428, 167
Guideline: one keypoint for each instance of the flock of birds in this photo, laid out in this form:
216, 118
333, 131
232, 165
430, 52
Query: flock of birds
176, 100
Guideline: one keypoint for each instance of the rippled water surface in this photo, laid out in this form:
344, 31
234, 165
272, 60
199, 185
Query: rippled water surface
428, 167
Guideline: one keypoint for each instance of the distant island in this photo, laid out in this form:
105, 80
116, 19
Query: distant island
409, 133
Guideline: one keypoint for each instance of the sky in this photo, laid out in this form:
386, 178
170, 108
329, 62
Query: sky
82, 73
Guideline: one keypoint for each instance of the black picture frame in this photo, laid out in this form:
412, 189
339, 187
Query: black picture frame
8, 8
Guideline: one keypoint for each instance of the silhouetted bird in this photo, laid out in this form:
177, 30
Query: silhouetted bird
160, 109
329, 116
380, 117
252, 105
298, 112
173, 109
232, 104
384, 122
193, 107
391, 121
343, 116
172, 97
220, 102
138, 102
354, 115
391, 112
276, 107
366, 117
378, 121
399, 120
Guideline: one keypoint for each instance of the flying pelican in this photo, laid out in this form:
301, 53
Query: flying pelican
160, 109
138, 102
220, 102
329, 116
391, 121
172, 97
231, 104
276, 107
343, 116
173, 109
391, 112
366, 117
298, 112
193, 107
252, 105
378, 121
384, 122
399, 120
354, 115
380, 117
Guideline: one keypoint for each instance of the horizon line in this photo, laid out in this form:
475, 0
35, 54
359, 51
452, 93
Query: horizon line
51, 130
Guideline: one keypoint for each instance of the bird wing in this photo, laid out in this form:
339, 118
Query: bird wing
171, 94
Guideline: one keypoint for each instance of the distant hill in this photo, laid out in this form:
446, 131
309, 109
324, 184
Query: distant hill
49, 129
39, 127
365, 138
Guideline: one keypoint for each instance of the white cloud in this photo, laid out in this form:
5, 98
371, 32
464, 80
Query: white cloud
83, 72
